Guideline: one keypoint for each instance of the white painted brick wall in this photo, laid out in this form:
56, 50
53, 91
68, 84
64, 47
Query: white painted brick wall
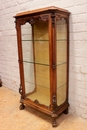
9, 68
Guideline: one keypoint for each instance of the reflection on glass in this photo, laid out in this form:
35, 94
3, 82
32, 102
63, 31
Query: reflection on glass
36, 62
61, 41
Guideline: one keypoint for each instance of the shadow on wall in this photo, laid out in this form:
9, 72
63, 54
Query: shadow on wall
0, 82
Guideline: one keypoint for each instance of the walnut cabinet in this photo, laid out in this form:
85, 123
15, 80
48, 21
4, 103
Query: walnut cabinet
43, 50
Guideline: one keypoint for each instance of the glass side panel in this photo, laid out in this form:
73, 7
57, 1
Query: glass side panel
29, 77
28, 57
61, 33
35, 47
61, 83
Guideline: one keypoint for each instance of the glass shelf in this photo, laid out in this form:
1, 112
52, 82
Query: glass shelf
37, 84
60, 84
45, 40
36, 63
60, 63
61, 40
35, 40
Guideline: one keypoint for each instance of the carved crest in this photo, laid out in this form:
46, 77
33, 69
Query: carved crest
44, 17
21, 22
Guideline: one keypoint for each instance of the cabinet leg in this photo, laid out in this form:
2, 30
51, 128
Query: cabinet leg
22, 106
54, 123
66, 111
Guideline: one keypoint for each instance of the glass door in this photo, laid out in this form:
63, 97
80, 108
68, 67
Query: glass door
35, 47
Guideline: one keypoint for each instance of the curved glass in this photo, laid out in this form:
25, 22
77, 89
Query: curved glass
61, 40
35, 47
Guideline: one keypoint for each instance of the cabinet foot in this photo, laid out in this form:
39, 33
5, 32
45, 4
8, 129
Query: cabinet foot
22, 106
54, 123
66, 111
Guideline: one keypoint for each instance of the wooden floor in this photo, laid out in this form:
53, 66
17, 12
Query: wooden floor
11, 118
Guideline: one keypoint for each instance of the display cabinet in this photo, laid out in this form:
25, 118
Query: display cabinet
43, 50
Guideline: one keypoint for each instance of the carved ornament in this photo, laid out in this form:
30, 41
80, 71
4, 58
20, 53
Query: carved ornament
53, 19
36, 101
20, 89
54, 99
44, 17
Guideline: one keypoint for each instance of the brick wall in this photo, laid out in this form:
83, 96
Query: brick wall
9, 70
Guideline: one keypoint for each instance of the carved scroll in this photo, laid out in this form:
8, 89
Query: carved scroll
20, 89
58, 17
25, 20
31, 21
67, 20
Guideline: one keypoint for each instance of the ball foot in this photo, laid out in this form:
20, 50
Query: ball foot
54, 123
22, 106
